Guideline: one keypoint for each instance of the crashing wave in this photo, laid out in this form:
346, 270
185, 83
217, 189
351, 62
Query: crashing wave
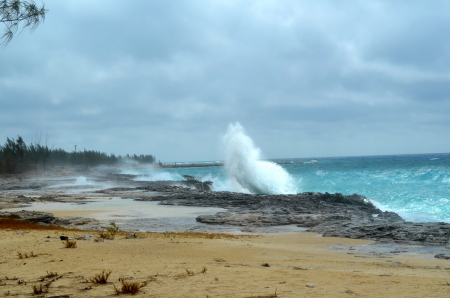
245, 169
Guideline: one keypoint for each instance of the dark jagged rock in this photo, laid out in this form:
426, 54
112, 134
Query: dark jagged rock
402, 232
45, 218
31, 216
337, 215
351, 216
22, 187
442, 256
255, 219
195, 182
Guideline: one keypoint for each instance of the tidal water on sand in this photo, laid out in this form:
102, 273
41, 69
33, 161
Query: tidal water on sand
134, 215
415, 186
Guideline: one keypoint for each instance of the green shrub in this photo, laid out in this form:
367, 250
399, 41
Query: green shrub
110, 232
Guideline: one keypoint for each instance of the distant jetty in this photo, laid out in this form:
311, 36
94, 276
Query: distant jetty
190, 165
220, 164
290, 163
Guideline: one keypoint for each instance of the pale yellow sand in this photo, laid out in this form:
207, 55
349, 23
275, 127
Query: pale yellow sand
233, 267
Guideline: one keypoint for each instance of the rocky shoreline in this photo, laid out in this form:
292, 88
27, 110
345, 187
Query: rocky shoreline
333, 215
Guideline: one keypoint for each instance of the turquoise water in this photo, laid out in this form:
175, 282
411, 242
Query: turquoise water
415, 186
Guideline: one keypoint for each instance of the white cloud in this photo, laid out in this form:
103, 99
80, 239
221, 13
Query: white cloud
304, 78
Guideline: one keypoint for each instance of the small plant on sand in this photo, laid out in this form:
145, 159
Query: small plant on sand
129, 287
25, 255
110, 232
51, 274
101, 278
70, 244
189, 272
39, 289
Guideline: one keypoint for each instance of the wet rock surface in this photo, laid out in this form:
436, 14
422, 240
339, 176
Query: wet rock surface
350, 216
333, 215
399, 232
45, 218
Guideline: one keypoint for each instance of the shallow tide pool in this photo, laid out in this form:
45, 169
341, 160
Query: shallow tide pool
130, 214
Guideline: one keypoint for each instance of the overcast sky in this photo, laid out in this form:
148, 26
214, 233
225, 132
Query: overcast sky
304, 78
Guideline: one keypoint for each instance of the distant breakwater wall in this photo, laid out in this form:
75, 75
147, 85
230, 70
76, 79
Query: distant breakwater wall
202, 165
190, 165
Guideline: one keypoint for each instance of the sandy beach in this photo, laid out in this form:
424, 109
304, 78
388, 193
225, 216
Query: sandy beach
184, 265
294, 264
224, 149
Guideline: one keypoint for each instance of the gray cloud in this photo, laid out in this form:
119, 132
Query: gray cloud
304, 78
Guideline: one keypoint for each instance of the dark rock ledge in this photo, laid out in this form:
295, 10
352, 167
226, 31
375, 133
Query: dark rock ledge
333, 215
350, 216
45, 218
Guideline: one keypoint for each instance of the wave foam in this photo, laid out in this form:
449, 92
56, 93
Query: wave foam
247, 172
163, 176
81, 180
152, 174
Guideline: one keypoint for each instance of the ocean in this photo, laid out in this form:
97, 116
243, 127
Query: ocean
417, 187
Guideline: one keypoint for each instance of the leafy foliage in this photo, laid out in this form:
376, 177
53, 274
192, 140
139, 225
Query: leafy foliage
17, 157
110, 232
15, 12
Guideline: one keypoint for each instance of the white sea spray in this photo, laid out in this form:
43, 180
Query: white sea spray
245, 169
81, 180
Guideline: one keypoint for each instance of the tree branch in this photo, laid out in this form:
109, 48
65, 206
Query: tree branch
13, 12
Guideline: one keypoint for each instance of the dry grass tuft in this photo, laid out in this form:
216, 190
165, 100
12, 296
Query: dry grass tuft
189, 272
39, 289
51, 274
101, 278
70, 244
25, 255
130, 287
